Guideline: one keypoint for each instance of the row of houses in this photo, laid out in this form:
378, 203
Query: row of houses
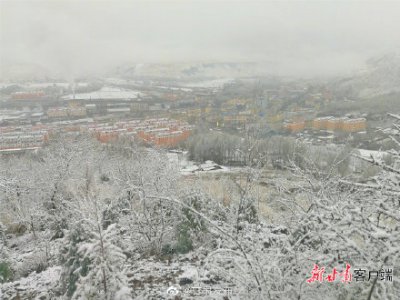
15, 141
329, 124
63, 112
75, 109
164, 137
160, 132
32, 95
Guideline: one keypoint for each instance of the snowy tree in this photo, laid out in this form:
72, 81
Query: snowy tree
2, 234
38, 202
380, 208
329, 220
334, 220
19, 199
144, 177
106, 278
74, 264
64, 165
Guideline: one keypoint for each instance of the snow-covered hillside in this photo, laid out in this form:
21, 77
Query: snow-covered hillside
380, 77
191, 70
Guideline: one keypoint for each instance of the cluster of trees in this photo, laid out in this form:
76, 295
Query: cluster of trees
276, 151
224, 148
91, 209
215, 146
94, 210
330, 221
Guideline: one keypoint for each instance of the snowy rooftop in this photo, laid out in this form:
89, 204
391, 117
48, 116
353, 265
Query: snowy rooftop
105, 93
215, 83
377, 155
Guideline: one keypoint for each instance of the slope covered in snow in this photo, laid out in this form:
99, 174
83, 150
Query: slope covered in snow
191, 70
380, 77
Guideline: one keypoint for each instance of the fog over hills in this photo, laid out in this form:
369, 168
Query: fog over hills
199, 149
26, 72
380, 77
302, 39
188, 70
194, 70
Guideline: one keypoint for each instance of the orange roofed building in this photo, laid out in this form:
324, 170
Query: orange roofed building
329, 124
28, 95
161, 132
295, 126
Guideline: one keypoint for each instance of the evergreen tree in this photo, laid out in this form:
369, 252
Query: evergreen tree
74, 264
106, 278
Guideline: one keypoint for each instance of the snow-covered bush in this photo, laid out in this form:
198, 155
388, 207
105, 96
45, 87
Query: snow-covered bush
106, 278
36, 261
74, 264
6, 273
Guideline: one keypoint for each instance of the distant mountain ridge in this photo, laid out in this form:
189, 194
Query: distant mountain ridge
24, 72
380, 77
191, 70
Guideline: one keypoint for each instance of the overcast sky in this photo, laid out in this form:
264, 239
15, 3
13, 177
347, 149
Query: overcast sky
319, 37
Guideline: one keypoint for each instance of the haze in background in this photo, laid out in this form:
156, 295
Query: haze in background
75, 38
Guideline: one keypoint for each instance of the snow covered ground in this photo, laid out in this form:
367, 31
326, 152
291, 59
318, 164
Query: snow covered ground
377, 155
188, 167
216, 83
35, 286
105, 93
